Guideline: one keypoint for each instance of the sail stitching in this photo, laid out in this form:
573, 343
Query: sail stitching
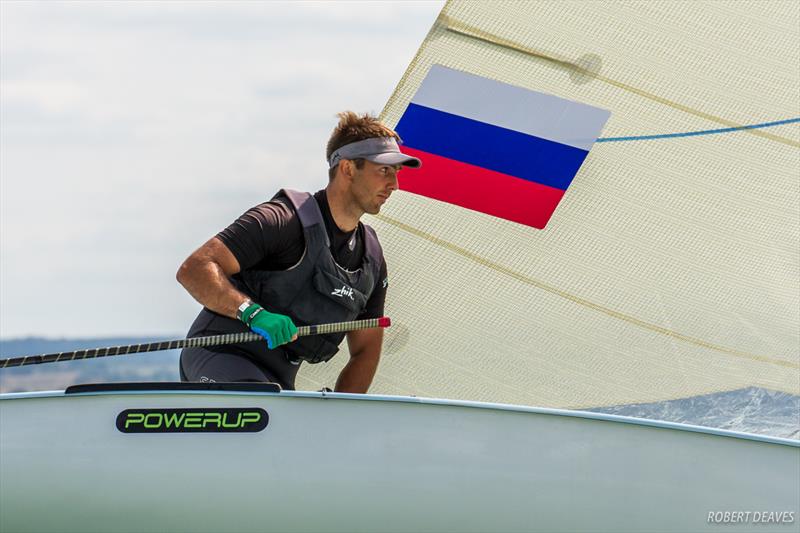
581, 301
466, 30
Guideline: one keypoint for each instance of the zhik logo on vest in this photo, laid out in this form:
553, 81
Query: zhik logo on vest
344, 291
251, 419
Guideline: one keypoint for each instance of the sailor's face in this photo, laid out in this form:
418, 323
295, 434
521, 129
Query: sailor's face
373, 184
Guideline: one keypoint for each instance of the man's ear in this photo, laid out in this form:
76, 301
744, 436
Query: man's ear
347, 168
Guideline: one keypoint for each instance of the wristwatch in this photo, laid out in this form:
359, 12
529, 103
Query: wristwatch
242, 308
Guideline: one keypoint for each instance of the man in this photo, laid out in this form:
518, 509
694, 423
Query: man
300, 259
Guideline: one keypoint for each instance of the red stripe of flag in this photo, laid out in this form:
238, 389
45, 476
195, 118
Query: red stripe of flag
479, 189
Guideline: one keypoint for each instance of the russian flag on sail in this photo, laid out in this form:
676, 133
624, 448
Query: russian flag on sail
493, 147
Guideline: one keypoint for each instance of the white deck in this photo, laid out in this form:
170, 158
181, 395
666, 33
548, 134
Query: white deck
339, 462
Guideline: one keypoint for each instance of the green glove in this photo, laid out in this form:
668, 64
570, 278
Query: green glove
277, 329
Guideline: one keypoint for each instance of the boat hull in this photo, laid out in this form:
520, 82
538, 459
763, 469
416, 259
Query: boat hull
359, 463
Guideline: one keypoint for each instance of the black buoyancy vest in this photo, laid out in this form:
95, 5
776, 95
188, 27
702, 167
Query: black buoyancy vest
316, 290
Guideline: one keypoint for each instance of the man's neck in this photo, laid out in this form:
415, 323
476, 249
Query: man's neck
344, 211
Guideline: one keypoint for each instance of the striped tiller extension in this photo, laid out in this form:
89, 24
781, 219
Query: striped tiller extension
194, 342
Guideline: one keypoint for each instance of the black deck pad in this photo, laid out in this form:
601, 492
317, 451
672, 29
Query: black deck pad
172, 386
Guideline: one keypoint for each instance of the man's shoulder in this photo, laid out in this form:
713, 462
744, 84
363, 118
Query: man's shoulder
274, 212
279, 204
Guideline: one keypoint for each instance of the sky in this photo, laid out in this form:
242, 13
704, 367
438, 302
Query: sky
131, 132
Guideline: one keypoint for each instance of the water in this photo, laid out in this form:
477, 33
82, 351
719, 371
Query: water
749, 410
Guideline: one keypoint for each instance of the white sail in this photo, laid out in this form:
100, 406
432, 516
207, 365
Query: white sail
670, 267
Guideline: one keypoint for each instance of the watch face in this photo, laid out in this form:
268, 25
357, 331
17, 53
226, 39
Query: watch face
241, 310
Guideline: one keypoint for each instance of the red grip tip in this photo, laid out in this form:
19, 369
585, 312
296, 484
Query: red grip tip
384, 322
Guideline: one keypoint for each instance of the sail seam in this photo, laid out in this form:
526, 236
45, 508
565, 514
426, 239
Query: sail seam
581, 301
460, 28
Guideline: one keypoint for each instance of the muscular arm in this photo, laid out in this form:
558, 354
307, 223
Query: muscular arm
205, 275
365, 352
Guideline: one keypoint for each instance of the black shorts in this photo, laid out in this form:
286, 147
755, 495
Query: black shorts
250, 361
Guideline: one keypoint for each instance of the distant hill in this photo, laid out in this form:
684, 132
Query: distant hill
153, 366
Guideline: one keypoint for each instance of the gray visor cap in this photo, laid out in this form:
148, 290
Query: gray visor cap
381, 150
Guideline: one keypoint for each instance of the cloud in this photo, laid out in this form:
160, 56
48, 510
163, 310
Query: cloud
133, 131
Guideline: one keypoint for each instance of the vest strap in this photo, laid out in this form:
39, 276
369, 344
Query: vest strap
307, 210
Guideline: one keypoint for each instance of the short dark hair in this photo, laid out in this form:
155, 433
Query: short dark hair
353, 128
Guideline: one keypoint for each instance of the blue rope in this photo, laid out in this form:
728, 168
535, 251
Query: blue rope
695, 133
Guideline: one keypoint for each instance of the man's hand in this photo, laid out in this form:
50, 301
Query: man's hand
276, 328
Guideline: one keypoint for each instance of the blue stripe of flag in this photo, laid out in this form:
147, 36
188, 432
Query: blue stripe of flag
487, 146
